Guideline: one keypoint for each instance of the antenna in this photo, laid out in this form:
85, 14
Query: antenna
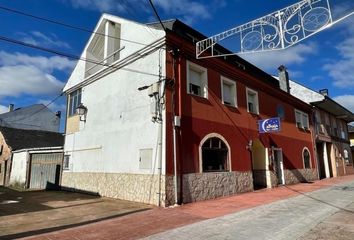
278, 30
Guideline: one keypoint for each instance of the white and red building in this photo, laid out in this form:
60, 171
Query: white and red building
204, 140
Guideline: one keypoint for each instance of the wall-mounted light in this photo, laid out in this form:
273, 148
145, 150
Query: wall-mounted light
81, 110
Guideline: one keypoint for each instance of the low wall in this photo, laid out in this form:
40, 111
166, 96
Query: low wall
300, 175
203, 186
133, 187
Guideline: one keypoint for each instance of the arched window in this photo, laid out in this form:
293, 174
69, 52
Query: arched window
306, 158
214, 155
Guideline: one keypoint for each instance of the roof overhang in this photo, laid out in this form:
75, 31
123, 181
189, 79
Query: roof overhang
334, 108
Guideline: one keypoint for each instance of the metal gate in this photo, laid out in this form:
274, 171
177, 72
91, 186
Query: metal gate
45, 170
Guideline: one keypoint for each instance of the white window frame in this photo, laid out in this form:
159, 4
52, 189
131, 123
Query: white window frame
232, 85
72, 104
248, 90
204, 79
104, 47
301, 124
303, 159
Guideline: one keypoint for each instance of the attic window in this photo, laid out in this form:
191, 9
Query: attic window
103, 48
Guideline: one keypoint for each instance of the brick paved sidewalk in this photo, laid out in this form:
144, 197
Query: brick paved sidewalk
158, 220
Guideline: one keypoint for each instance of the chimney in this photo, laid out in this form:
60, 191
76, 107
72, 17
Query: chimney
324, 92
58, 114
11, 107
284, 79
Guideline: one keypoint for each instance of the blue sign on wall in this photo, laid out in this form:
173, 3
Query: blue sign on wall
269, 125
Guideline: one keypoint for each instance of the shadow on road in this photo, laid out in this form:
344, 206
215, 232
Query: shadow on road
53, 229
324, 202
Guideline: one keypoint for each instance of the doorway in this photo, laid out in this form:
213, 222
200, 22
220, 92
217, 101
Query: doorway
279, 165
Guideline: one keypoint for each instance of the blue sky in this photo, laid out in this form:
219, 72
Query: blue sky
29, 76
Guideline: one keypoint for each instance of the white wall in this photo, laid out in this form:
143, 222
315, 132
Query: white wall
118, 122
130, 30
18, 168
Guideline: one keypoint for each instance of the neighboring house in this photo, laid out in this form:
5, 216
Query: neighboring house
34, 117
351, 137
334, 157
192, 134
29, 158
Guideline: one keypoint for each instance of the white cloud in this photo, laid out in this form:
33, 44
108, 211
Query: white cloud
31, 75
27, 80
346, 100
187, 10
47, 64
3, 109
342, 70
272, 60
40, 39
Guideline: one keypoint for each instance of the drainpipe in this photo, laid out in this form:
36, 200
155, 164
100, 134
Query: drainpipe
159, 145
176, 120
159, 122
313, 138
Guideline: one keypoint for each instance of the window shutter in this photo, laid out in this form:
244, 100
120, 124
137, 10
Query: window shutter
227, 94
195, 77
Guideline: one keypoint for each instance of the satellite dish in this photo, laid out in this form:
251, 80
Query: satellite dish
278, 30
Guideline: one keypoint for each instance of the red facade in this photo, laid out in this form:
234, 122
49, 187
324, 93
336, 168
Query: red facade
201, 116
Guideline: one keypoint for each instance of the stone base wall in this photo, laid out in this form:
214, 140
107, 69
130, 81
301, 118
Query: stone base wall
203, 186
133, 187
300, 175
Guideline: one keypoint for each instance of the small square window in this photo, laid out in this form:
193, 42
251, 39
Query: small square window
252, 101
197, 80
66, 162
302, 119
145, 158
228, 92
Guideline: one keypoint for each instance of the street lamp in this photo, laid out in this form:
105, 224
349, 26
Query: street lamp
81, 110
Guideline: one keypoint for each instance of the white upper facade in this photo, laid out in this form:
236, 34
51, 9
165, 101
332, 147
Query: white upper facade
117, 135
114, 41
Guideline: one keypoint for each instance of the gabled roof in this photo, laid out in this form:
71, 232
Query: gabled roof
34, 117
335, 109
320, 101
18, 139
24, 110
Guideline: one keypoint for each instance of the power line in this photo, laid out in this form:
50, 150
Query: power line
71, 56
157, 15
66, 25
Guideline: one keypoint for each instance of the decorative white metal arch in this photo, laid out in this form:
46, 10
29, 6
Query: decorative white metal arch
278, 30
